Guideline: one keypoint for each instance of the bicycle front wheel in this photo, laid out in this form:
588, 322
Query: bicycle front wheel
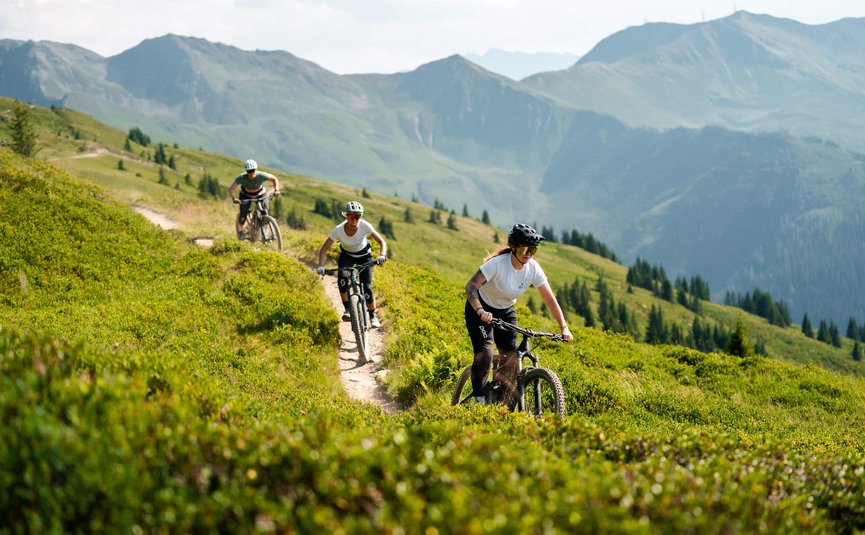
271, 237
253, 229
544, 394
357, 309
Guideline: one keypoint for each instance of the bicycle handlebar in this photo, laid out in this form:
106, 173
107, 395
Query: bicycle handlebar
516, 328
358, 267
265, 197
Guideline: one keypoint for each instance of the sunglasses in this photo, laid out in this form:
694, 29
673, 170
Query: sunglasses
527, 250
352, 216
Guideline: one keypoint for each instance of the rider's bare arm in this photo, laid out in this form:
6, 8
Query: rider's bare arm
472, 286
382, 245
549, 299
322, 253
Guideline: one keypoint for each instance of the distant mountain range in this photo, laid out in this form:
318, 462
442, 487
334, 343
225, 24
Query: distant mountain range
728, 149
519, 65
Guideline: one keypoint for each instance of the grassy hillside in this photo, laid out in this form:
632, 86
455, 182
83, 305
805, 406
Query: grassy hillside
149, 384
92, 150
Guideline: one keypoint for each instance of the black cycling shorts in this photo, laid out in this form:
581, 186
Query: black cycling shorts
484, 334
345, 260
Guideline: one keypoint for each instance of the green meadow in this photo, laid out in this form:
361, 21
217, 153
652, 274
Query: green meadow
148, 384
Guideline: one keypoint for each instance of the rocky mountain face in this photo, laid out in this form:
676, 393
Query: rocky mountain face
656, 141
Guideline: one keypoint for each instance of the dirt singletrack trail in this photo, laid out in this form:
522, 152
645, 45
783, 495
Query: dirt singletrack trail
359, 381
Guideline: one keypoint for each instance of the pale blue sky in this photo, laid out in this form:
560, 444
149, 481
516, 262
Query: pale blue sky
350, 36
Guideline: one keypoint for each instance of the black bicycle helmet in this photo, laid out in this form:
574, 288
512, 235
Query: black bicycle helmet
522, 234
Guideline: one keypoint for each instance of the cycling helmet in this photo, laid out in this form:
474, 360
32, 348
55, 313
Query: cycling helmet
353, 207
250, 165
522, 234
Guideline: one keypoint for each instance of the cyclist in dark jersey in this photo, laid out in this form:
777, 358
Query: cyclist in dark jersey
251, 184
492, 293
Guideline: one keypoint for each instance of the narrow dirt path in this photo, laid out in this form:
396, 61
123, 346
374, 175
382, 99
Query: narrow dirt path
360, 381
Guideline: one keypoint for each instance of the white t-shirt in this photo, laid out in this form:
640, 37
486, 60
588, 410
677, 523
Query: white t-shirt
356, 243
506, 283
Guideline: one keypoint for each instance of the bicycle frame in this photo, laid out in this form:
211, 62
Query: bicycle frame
357, 307
354, 284
257, 213
539, 383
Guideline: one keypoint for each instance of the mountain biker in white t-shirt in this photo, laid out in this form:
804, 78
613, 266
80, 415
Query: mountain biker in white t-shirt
355, 249
492, 293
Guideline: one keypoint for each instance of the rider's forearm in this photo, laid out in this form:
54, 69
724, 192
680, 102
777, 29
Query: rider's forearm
473, 296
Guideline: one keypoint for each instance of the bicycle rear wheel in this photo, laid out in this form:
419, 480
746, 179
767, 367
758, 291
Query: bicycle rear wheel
357, 309
495, 391
544, 393
271, 237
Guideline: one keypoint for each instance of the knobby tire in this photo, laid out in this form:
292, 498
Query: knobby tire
270, 234
545, 395
356, 310
463, 394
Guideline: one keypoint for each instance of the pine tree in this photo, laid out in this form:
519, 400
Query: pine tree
321, 208
485, 218
807, 329
136, 135
452, 221
823, 332
22, 130
407, 216
120, 165
857, 351
656, 332
739, 344
852, 329
465, 210
834, 334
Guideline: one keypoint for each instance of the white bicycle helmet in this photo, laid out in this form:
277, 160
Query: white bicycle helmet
250, 165
353, 207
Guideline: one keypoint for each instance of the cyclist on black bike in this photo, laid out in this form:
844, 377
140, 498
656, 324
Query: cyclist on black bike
355, 249
492, 293
251, 184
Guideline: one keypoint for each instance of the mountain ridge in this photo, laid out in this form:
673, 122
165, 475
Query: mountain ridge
454, 132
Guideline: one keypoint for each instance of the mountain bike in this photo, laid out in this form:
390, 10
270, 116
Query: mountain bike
357, 310
261, 226
537, 391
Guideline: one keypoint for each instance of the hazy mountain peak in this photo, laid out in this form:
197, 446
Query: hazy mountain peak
518, 65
